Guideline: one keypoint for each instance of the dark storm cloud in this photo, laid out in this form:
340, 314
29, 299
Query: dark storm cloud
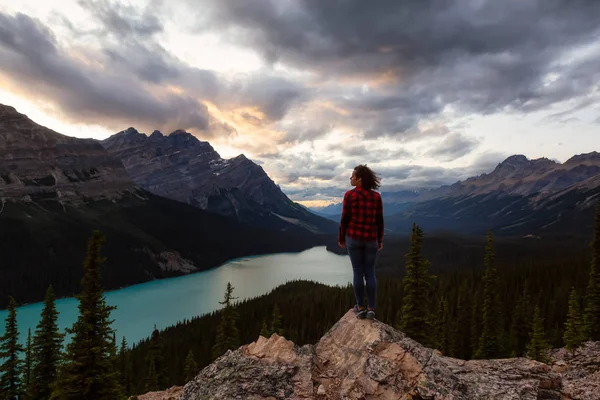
118, 84
301, 132
482, 57
135, 50
149, 62
273, 95
368, 153
304, 166
123, 20
452, 147
401, 37
29, 54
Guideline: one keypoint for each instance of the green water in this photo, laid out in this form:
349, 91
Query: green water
165, 302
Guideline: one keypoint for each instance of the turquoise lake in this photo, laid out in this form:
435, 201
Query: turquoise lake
165, 302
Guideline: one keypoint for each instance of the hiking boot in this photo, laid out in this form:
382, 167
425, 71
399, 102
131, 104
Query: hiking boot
361, 313
370, 313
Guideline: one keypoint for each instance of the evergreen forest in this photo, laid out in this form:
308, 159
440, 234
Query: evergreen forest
494, 308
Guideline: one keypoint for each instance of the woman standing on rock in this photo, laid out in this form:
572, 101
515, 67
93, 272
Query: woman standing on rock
361, 232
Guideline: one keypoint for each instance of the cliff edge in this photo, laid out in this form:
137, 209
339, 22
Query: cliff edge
362, 359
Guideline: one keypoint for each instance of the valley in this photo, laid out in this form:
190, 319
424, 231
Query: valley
56, 189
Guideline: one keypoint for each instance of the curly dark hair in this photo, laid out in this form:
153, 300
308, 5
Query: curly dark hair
369, 179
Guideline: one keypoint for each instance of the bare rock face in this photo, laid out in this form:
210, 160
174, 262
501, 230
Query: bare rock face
580, 371
362, 359
181, 167
38, 164
173, 393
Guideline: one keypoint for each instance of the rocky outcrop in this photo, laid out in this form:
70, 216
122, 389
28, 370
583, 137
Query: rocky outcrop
38, 164
173, 393
362, 359
181, 167
579, 369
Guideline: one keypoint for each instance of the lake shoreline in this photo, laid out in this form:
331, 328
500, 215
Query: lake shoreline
165, 302
327, 248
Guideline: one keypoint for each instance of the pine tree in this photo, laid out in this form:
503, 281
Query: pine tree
10, 370
592, 307
156, 354
463, 323
228, 337
264, 330
489, 340
444, 330
521, 324
124, 368
151, 377
88, 372
574, 334
46, 352
475, 324
113, 353
27, 364
536, 349
276, 321
191, 367
415, 320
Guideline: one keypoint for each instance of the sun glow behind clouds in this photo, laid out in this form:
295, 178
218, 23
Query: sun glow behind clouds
337, 112
45, 114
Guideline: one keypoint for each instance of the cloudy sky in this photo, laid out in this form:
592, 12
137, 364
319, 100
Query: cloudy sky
425, 92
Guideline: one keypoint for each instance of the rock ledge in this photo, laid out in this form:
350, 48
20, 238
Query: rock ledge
362, 359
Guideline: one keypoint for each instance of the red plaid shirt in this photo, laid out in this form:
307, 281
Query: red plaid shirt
362, 216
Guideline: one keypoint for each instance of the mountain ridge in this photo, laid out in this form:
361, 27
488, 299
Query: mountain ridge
37, 163
55, 190
181, 167
518, 197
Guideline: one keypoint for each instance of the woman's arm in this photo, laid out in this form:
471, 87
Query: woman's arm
346, 215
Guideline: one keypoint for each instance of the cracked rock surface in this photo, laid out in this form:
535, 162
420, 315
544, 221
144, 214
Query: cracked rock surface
580, 371
362, 359
38, 164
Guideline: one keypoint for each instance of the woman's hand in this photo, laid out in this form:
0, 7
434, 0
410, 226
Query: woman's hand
380, 246
342, 245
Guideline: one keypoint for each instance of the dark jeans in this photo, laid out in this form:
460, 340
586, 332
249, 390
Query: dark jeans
362, 256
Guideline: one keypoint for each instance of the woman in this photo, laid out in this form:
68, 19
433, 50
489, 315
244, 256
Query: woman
361, 232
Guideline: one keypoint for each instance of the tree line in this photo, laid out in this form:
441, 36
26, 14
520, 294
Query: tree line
86, 368
501, 310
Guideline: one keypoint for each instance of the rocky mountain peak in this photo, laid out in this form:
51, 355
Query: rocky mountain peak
156, 135
7, 110
543, 161
362, 359
181, 132
182, 139
131, 131
38, 164
183, 168
585, 158
17, 131
515, 160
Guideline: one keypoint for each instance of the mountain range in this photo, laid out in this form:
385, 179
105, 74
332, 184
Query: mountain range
55, 189
170, 205
519, 197
181, 167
